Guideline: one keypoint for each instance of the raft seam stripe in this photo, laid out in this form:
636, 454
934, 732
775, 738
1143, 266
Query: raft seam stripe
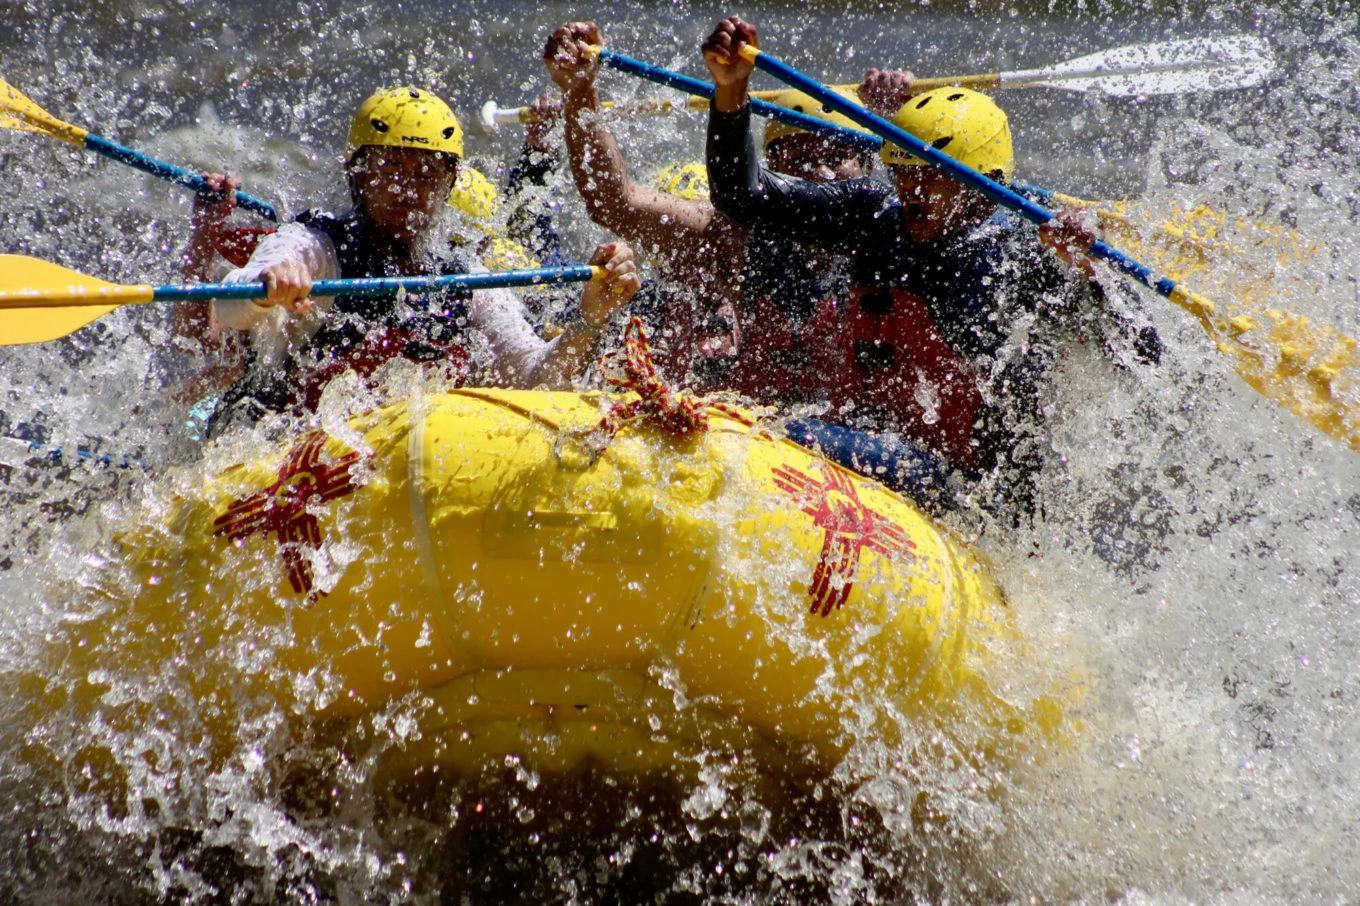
420, 520
532, 415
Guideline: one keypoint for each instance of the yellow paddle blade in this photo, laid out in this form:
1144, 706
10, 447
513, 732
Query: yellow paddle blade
18, 112
1185, 244
41, 301
1310, 369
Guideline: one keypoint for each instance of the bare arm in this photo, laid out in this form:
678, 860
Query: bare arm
684, 228
194, 321
210, 212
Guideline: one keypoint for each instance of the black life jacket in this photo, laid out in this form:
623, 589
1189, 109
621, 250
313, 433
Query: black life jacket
423, 328
361, 334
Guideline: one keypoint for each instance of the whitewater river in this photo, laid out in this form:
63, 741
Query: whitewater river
1195, 572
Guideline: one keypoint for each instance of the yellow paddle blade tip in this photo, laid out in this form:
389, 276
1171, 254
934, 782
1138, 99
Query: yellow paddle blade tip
21, 326
1192, 302
42, 301
18, 112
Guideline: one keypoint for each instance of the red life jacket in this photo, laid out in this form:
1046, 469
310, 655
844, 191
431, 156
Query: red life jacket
237, 244
779, 361
877, 354
896, 364
375, 349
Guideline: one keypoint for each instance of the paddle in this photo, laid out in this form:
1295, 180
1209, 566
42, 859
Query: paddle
763, 108
41, 301
1183, 243
1184, 239
493, 116
20, 113
704, 90
1171, 67
1300, 376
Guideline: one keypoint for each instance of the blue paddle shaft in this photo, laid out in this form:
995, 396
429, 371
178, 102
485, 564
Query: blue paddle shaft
371, 287
938, 159
177, 175
58, 455
672, 79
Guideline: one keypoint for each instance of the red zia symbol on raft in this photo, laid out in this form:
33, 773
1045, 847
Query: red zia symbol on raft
284, 507
834, 505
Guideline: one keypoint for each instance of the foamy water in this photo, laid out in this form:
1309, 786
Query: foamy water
1192, 582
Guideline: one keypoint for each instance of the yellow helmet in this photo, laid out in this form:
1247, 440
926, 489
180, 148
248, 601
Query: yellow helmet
479, 201
501, 254
405, 118
964, 124
801, 103
476, 197
687, 181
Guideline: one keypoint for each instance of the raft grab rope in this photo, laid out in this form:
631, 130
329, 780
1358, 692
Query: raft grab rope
632, 369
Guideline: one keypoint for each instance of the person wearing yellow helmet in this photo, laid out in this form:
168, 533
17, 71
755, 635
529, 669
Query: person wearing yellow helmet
481, 227
956, 309
796, 152
402, 157
685, 181
701, 317
969, 127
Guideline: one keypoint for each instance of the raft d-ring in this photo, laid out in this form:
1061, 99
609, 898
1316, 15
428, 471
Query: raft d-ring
577, 449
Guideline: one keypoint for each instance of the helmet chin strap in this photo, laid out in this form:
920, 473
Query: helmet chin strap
353, 190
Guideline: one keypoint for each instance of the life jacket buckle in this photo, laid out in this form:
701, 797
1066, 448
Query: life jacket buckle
872, 355
876, 303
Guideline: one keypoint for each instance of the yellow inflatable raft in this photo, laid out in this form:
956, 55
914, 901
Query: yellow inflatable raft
553, 593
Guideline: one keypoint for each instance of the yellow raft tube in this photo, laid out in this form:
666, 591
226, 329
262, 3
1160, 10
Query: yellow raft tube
558, 596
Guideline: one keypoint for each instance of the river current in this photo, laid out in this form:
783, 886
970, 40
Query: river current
1196, 566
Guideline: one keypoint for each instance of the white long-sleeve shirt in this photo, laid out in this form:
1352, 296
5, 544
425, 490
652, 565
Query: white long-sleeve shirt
520, 357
